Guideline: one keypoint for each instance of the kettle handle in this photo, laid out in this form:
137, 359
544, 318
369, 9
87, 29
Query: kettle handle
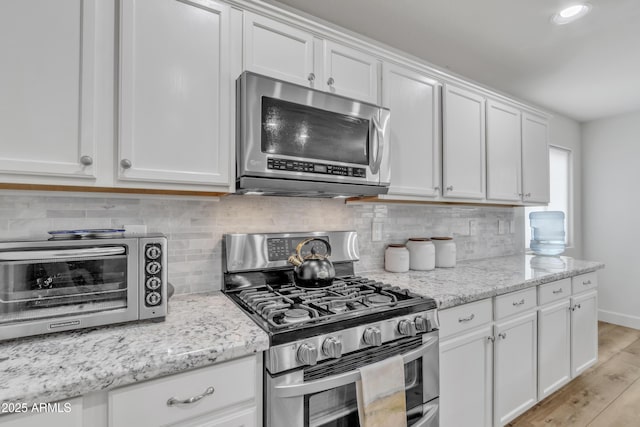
311, 239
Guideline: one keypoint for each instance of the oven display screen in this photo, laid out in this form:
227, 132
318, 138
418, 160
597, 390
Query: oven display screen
279, 249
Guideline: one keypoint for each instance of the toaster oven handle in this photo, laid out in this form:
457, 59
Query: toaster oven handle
378, 134
54, 254
296, 390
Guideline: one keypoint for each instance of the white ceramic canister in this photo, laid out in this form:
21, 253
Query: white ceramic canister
396, 258
422, 253
445, 251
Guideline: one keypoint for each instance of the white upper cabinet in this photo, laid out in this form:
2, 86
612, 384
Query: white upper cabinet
463, 143
414, 101
288, 53
47, 86
350, 73
278, 50
175, 90
503, 153
535, 159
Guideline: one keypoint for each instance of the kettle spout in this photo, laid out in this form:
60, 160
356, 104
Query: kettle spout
295, 260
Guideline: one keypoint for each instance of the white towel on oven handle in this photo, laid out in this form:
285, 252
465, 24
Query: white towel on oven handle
381, 394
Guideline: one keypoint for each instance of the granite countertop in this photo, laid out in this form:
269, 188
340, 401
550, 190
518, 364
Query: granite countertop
201, 329
478, 279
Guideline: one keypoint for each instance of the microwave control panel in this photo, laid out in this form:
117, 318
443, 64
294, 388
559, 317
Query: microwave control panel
321, 168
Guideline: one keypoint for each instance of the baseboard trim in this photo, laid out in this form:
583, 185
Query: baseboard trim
619, 319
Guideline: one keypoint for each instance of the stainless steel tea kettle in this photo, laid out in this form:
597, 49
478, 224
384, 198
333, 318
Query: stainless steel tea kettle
314, 270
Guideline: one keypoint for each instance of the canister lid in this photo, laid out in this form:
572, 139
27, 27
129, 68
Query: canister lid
419, 239
396, 245
442, 238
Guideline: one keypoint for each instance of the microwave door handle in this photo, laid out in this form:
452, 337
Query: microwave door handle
54, 254
379, 143
339, 380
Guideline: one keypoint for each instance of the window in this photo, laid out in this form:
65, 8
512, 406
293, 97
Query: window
560, 161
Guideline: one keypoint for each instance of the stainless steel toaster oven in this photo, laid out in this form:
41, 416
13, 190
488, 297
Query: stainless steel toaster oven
58, 285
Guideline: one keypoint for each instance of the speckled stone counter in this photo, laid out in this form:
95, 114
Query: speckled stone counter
200, 329
478, 279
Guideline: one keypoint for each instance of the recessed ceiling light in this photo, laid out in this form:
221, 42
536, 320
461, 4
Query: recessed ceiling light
571, 13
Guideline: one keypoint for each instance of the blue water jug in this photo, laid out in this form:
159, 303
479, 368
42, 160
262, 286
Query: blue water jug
547, 232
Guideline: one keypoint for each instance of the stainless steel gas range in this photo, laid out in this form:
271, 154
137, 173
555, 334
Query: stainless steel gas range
319, 338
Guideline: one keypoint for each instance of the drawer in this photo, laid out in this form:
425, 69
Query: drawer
554, 291
147, 403
584, 282
465, 317
515, 302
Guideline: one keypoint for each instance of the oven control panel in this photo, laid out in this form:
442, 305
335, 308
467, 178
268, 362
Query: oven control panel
312, 167
281, 248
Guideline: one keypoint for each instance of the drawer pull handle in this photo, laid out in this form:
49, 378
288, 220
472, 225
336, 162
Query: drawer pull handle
466, 319
559, 291
517, 303
502, 335
588, 282
173, 401
491, 338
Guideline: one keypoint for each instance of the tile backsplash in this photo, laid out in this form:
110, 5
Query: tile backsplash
195, 227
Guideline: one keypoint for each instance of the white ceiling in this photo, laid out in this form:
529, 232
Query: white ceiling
585, 70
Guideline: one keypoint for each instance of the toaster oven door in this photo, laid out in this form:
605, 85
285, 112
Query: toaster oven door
49, 289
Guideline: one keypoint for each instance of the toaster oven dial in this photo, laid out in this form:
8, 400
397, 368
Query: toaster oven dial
153, 252
307, 354
154, 267
153, 283
153, 298
332, 347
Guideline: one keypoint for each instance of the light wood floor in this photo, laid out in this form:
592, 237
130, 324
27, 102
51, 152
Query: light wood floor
608, 394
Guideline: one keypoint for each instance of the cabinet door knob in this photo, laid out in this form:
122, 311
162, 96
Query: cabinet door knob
330, 82
502, 335
311, 77
491, 338
437, 188
125, 163
86, 160
450, 188
174, 401
527, 195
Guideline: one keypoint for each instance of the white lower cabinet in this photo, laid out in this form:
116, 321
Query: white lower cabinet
466, 362
584, 331
515, 366
554, 347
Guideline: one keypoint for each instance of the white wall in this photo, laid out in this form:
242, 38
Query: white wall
566, 133
611, 213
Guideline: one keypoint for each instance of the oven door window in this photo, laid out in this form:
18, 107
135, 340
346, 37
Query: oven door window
47, 288
301, 131
338, 407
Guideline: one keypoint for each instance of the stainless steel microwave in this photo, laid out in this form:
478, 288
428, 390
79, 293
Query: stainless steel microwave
59, 285
294, 140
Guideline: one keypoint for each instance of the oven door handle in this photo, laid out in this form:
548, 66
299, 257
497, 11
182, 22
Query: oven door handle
339, 380
431, 412
61, 254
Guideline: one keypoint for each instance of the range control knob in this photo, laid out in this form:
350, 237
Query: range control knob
422, 324
307, 354
372, 336
153, 283
154, 267
332, 347
153, 298
153, 252
407, 327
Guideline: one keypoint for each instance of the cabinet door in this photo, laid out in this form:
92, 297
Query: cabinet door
515, 365
584, 332
466, 379
278, 50
351, 73
554, 347
535, 159
503, 153
47, 87
175, 92
463, 145
414, 100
